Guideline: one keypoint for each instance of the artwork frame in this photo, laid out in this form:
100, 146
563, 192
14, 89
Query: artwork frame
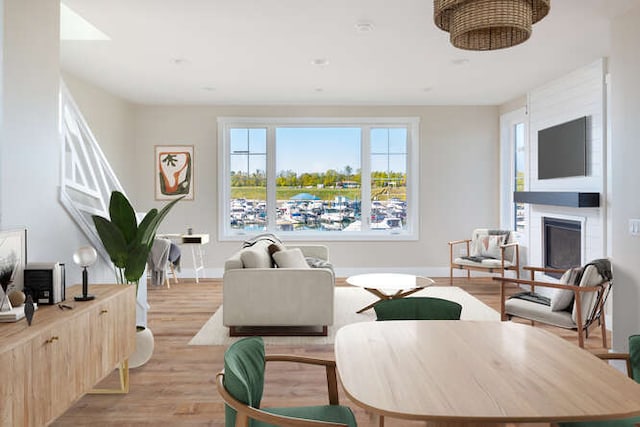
174, 172
15, 241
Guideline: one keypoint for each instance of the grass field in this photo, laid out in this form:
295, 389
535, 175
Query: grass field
328, 194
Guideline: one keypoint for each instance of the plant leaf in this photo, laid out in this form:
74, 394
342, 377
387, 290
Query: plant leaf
144, 226
123, 215
136, 261
112, 239
149, 232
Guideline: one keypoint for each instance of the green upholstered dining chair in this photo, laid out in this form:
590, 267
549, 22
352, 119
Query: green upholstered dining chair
418, 308
242, 381
633, 370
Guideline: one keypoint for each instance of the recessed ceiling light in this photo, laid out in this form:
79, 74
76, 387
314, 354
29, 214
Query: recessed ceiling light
209, 88
427, 89
319, 89
364, 27
320, 62
460, 61
179, 61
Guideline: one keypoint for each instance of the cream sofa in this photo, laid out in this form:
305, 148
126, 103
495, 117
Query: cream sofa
289, 300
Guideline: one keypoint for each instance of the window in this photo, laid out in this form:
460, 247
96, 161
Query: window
519, 219
513, 169
328, 179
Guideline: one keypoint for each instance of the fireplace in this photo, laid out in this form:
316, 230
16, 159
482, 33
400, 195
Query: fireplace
562, 243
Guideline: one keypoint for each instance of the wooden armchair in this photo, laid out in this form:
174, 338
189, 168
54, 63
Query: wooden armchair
241, 383
587, 310
488, 250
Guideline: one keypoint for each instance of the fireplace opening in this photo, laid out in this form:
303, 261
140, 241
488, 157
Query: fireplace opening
562, 244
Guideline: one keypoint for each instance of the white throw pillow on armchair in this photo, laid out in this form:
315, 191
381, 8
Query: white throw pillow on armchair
561, 299
290, 258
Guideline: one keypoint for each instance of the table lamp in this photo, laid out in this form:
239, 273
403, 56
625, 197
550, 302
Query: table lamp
84, 257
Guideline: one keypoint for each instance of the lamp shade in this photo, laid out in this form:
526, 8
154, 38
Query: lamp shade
488, 24
85, 256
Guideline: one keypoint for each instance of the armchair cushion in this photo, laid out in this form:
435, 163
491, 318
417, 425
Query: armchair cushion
328, 413
539, 313
561, 299
244, 366
486, 262
590, 277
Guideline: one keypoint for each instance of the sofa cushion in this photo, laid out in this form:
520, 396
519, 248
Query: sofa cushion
290, 258
256, 256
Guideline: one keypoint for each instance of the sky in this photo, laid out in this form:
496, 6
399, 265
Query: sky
318, 149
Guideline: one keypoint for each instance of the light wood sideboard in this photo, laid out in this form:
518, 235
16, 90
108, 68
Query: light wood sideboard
45, 367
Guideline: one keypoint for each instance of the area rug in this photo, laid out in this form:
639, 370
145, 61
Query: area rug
347, 301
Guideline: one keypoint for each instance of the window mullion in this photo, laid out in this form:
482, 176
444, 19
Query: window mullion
271, 179
365, 179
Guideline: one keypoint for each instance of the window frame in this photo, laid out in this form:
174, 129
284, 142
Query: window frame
508, 122
226, 233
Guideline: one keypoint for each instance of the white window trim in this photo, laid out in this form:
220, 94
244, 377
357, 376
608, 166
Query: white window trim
225, 232
507, 165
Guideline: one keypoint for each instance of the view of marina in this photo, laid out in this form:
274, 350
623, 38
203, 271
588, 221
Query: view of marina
318, 180
306, 211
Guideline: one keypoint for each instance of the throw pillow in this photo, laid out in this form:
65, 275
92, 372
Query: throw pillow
256, 256
561, 299
290, 258
490, 245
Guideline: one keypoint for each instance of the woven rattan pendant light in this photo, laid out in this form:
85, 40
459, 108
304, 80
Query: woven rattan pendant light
488, 24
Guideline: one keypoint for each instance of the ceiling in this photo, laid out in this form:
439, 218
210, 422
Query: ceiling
260, 52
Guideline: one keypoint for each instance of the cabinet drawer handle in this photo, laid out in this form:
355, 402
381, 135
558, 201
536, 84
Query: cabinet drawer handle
52, 339
103, 311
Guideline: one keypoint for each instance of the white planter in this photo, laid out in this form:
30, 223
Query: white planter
144, 348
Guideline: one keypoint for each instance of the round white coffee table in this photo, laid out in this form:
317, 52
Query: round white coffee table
401, 285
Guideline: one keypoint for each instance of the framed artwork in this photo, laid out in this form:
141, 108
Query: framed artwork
13, 257
174, 171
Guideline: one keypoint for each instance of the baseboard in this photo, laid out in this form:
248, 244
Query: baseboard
216, 273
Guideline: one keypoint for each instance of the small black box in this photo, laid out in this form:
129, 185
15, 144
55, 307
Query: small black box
45, 282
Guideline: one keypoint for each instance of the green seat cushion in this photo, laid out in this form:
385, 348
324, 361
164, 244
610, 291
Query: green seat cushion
627, 422
418, 308
329, 413
244, 374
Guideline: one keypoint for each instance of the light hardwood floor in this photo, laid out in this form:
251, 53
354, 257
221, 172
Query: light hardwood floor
176, 387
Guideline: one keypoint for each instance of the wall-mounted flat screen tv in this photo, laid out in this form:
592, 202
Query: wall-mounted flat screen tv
562, 150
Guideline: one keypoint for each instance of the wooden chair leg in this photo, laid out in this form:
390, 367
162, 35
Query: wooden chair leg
173, 273
603, 328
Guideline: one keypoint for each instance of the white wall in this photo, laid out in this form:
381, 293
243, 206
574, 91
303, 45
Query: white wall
577, 94
30, 139
458, 179
624, 66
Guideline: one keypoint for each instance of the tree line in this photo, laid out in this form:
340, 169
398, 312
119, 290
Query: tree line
329, 178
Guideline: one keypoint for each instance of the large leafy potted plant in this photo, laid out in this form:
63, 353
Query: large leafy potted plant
128, 244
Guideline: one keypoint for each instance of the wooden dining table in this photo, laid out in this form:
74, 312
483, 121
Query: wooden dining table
478, 372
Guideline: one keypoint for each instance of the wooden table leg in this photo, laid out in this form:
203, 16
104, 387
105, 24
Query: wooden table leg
382, 296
